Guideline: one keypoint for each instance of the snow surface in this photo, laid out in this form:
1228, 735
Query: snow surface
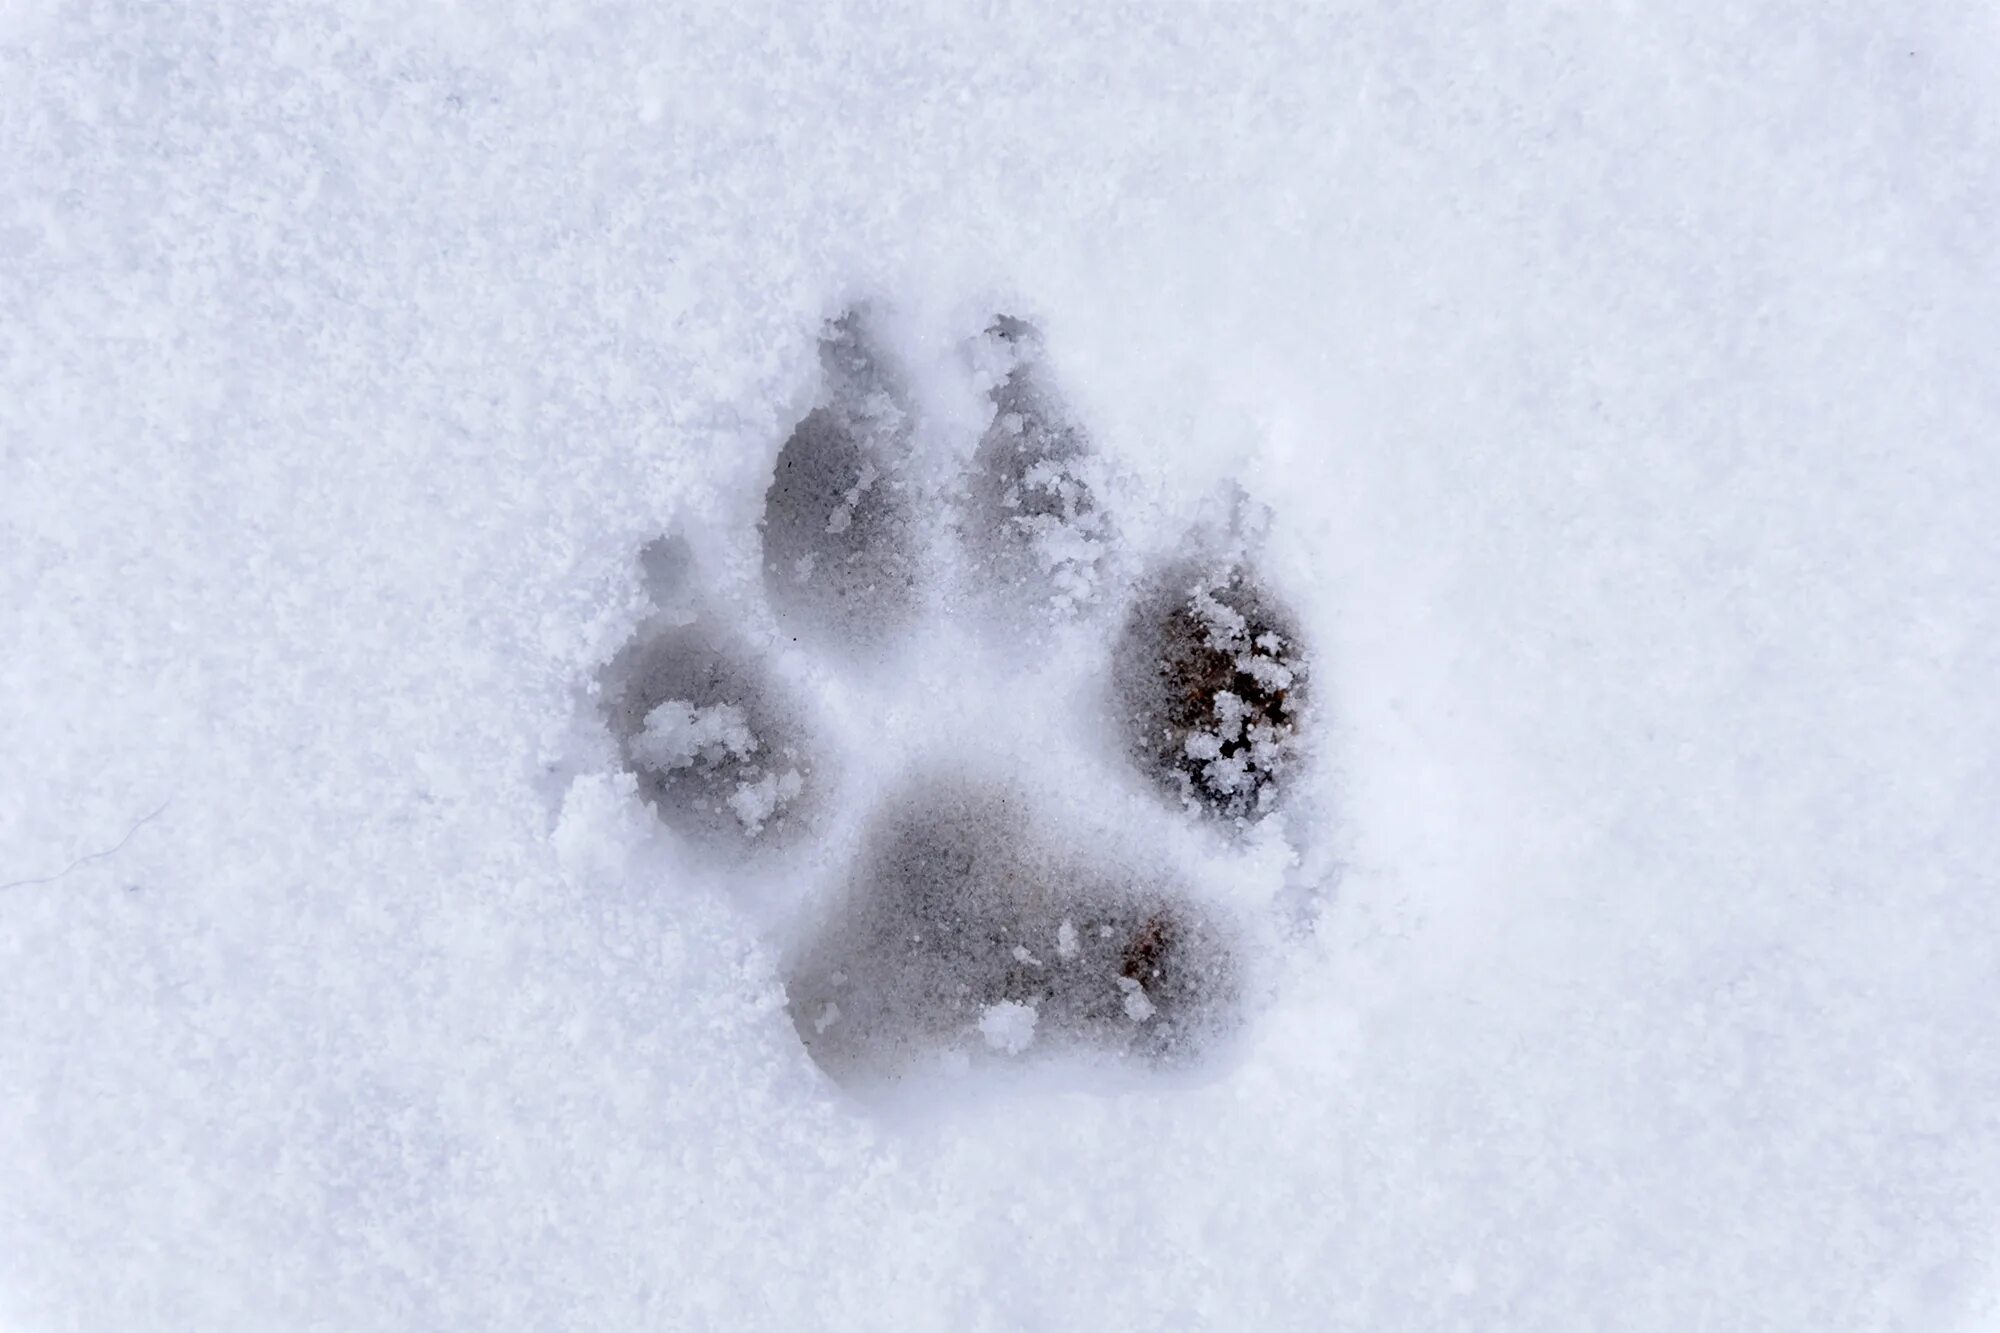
1623, 382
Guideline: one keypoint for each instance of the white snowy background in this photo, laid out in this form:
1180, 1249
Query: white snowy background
1626, 380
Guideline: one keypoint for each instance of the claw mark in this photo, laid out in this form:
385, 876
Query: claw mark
93, 856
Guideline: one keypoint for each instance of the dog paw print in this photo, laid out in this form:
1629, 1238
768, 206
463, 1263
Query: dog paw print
865, 690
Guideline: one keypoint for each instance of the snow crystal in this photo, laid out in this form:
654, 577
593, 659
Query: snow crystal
1226, 625
1212, 704
1228, 774
1138, 1007
1273, 676
755, 802
1203, 745
679, 735
1008, 1026
1066, 946
843, 514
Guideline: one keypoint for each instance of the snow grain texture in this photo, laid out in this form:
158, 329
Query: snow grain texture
1627, 380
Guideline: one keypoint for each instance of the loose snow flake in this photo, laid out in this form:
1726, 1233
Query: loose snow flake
755, 802
678, 735
1066, 946
1225, 625
1138, 1007
1008, 1026
716, 744
1272, 675
1225, 690
1203, 745
843, 513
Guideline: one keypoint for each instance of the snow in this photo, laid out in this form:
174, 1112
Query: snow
1008, 1027
843, 514
753, 803
679, 735
711, 740
1622, 386
1138, 1005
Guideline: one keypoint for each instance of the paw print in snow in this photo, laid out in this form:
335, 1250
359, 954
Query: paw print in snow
979, 922
1214, 686
700, 728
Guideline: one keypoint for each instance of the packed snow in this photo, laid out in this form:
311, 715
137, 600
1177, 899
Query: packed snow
1616, 950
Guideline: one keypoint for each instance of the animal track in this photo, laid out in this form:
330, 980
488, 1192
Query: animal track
839, 555
1033, 512
960, 923
974, 925
696, 724
1213, 686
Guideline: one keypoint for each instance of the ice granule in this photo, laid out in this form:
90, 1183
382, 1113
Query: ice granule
1203, 745
843, 513
1066, 946
1008, 1026
1138, 1006
1226, 776
677, 735
755, 802
1230, 710
1271, 674
1225, 625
